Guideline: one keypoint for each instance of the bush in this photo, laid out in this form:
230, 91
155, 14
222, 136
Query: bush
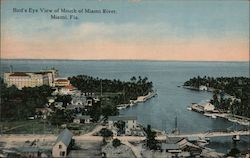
233, 152
106, 132
116, 142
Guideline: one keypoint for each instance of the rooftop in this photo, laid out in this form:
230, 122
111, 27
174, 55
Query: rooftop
62, 80
173, 140
69, 87
65, 136
117, 118
193, 138
83, 116
19, 74
170, 146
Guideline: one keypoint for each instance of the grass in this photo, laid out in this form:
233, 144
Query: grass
38, 127
27, 127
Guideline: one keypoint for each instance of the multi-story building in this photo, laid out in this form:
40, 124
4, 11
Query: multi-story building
52, 75
30, 79
130, 123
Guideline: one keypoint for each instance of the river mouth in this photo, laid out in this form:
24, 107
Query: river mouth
171, 102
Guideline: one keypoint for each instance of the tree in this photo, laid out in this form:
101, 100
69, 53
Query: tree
95, 111
215, 99
106, 132
233, 152
65, 99
151, 142
109, 110
116, 142
19, 104
121, 126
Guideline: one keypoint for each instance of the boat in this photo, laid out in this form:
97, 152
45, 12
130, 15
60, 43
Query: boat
214, 116
245, 123
120, 108
236, 138
189, 108
232, 120
208, 115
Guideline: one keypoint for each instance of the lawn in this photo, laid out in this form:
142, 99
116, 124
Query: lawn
27, 127
39, 127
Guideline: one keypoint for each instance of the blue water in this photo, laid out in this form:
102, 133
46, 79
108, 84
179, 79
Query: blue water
172, 101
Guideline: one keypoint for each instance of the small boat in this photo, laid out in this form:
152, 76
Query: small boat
208, 115
189, 108
245, 123
236, 138
232, 120
120, 108
214, 117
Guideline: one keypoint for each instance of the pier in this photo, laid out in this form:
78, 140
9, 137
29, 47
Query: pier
212, 134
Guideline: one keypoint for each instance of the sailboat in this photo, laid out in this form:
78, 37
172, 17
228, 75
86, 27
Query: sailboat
175, 130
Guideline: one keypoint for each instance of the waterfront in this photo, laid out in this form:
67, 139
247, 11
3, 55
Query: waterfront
171, 101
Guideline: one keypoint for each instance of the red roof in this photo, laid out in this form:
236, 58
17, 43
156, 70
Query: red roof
69, 87
62, 80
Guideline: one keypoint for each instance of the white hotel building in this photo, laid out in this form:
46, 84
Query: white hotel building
30, 79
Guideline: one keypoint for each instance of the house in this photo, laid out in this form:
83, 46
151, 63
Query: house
58, 104
50, 100
207, 107
78, 100
61, 82
31, 152
203, 88
68, 89
130, 123
61, 146
82, 119
43, 112
89, 101
203, 107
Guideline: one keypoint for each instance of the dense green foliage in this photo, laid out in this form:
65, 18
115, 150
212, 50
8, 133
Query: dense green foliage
65, 99
234, 152
106, 132
20, 104
239, 87
128, 90
120, 126
151, 142
116, 142
61, 116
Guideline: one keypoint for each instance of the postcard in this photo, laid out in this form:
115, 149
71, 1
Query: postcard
124, 78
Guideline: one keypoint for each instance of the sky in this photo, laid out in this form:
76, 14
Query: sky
189, 30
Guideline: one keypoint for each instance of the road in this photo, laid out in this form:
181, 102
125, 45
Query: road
211, 134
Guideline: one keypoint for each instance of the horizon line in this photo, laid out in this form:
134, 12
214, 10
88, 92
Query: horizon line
153, 60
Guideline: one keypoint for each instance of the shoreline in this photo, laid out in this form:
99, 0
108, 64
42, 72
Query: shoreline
230, 117
140, 99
